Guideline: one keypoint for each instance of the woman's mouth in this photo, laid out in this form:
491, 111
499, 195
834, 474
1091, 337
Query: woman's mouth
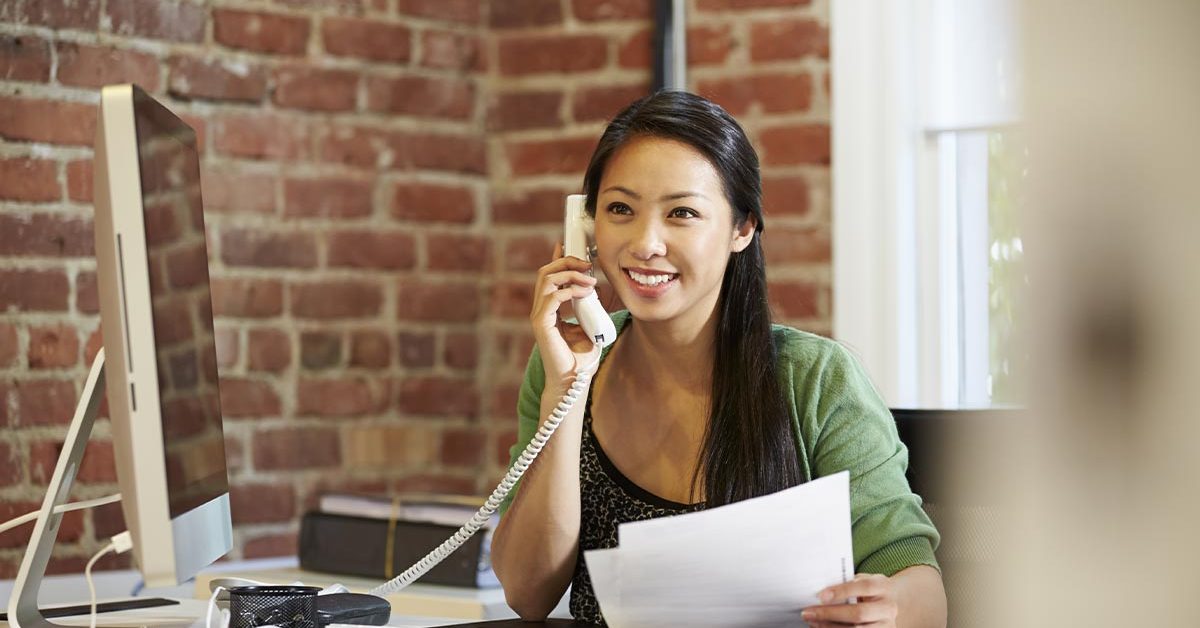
649, 284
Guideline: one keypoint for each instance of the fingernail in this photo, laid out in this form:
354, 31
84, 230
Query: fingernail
825, 596
808, 615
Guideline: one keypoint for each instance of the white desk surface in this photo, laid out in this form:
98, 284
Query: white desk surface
72, 589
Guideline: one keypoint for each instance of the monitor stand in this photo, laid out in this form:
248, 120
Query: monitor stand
23, 603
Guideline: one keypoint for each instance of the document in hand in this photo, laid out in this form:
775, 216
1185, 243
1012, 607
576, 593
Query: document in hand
757, 562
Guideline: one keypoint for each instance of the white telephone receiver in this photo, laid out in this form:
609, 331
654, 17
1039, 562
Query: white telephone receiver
578, 229
599, 327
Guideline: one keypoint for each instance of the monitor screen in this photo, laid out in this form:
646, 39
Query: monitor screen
181, 308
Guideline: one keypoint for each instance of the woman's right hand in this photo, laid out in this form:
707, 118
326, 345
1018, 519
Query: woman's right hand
563, 346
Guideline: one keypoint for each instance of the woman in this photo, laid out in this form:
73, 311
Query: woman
701, 401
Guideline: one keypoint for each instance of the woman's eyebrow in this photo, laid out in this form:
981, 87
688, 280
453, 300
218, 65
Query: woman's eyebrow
666, 197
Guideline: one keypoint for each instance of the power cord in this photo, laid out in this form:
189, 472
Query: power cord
120, 544
582, 378
89, 503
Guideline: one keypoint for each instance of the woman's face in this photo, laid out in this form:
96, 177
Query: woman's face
664, 229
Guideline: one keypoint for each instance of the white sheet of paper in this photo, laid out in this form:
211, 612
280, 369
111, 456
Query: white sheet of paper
756, 562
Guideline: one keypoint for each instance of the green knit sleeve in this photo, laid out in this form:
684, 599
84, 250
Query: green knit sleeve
529, 402
845, 425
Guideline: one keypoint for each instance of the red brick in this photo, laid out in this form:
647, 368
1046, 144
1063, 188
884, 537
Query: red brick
227, 341
366, 39
390, 447
96, 66
795, 299
785, 195
268, 350
237, 190
270, 545
336, 299
774, 93
598, 10
327, 197
554, 156
247, 398
261, 503
45, 235
637, 51
10, 348
504, 442
351, 397
503, 402
462, 447
296, 448
551, 54
199, 125
318, 90
10, 466
95, 342
798, 144
53, 347
370, 349
98, 465
745, 5
58, 14
261, 32
422, 96
432, 202
444, 484
442, 302
528, 253
804, 245
439, 396
245, 247
788, 39
461, 350
525, 13
372, 249
34, 290
449, 50
79, 180
26, 179
374, 148
24, 58
709, 45
465, 11
4, 413
529, 207
45, 401
416, 349
64, 565
466, 252
525, 110
512, 300
51, 121
213, 78
70, 529
604, 103
158, 19
320, 350
261, 136
249, 298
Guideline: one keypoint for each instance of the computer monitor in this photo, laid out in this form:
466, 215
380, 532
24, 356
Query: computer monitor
160, 353
158, 363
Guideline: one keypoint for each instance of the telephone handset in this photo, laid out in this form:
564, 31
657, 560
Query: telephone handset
578, 230
599, 327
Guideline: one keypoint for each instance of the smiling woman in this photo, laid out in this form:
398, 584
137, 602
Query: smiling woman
701, 401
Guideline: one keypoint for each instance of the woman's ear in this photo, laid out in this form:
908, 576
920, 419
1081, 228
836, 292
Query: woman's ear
743, 234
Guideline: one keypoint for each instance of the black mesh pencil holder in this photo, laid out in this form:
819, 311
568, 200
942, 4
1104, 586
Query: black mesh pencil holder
283, 606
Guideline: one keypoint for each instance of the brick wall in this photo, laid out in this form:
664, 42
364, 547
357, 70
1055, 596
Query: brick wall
381, 179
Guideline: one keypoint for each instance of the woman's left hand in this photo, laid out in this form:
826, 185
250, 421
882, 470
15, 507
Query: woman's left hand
876, 607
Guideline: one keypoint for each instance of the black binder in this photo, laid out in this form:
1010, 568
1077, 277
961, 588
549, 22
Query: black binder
357, 546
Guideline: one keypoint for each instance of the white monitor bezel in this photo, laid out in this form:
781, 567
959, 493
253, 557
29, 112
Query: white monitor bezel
123, 279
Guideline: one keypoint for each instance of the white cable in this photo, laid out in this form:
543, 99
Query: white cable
30, 516
212, 603
518, 469
87, 574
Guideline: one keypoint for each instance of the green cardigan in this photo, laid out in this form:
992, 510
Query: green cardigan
841, 424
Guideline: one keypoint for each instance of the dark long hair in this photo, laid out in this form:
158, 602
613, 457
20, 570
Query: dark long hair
749, 444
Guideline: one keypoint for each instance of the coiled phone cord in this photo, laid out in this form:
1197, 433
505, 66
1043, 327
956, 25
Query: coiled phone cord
578, 387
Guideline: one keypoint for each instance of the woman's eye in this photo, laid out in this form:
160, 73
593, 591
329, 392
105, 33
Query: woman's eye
619, 208
683, 212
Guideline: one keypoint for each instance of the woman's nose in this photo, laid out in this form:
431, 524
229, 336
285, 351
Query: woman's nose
648, 242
